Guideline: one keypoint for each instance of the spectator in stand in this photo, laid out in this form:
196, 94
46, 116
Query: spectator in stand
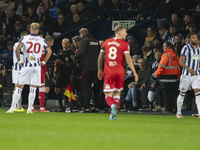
186, 4
73, 11
53, 12
11, 18
128, 71
148, 55
157, 41
164, 11
134, 46
143, 74
31, 14
151, 33
195, 17
156, 49
2, 30
58, 27
24, 20
4, 5
60, 9
178, 43
186, 22
162, 30
115, 5
83, 13
187, 39
6, 57
17, 32
69, 4
191, 28
76, 22
18, 7
176, 22
2, 81
47, 20
47, 3
31, 3
42, 11
100, 6
149, 43
155, 85
172, 32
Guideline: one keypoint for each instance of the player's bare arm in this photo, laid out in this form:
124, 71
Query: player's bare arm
182, 64
19, 46
100, 64
49, 52
131, 66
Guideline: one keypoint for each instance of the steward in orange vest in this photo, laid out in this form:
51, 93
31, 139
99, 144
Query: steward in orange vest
168, 72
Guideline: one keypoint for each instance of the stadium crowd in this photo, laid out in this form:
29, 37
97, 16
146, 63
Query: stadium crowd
172, 20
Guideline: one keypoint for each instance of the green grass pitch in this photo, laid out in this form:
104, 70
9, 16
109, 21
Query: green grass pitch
77, 131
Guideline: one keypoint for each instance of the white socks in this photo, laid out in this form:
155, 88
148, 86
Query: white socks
19, 103
15, 98
180, 100
31, 97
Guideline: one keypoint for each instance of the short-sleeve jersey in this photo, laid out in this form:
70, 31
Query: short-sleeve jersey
33, 48
114, 49
16, 66
192, 59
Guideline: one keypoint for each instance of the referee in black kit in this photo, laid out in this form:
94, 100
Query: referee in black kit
88, 55
63, 71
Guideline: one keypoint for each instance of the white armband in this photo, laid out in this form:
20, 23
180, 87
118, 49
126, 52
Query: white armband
43, 62
19, 62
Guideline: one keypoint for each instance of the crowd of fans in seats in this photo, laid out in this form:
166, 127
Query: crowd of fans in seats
172, 20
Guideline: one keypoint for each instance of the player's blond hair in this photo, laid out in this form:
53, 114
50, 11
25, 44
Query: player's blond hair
84, 31
34, 26
119, 28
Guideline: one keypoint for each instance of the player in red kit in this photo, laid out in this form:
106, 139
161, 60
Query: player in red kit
114, 50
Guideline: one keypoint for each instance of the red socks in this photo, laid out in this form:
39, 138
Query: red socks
110, 100
41, 96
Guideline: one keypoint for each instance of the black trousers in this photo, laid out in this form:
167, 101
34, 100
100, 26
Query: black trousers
170, 92
88, 78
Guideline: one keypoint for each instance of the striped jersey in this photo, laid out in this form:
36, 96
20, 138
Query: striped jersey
172, 39
16, 66
33, 48
192, 58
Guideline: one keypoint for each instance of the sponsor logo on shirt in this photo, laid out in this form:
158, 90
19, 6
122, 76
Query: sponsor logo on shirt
107, 86
112, 63
93, 43
32, 58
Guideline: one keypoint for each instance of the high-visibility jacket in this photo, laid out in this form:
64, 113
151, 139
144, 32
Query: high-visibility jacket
168, 67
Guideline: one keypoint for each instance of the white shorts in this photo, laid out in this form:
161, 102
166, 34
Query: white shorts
30, 76
15, 76
189, 81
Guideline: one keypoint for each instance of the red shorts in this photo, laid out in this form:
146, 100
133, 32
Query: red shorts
42, 76
113, 82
